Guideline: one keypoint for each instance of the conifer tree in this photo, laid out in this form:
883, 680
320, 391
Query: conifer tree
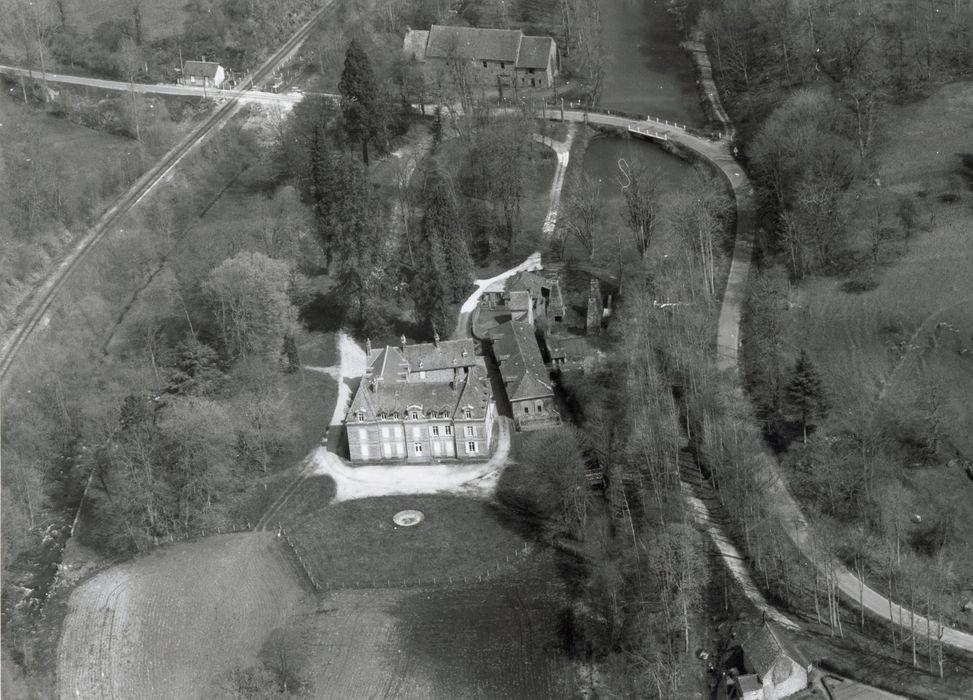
805, 395
359, 98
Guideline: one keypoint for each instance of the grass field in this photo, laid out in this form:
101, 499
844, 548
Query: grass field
356, 542
160, 18
498, 641
171, 624
908, 343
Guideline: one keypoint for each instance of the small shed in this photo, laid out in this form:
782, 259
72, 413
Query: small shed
202, 74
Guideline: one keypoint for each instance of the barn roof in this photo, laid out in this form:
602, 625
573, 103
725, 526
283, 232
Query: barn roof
380, 399
475, 43
535, 52
200, 69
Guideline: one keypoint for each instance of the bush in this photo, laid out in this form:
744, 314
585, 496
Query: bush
859, 285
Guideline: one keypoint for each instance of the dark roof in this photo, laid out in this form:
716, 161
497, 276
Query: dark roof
527, 282
445, 354
201, 69
387, 365
535, 52
572, 347
414, 44
474, 43
379, 399
521, 364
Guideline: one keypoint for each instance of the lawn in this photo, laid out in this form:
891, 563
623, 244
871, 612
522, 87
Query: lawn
161, 19
356, 542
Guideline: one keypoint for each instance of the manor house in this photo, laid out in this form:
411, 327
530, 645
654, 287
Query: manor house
494, 56
422, 402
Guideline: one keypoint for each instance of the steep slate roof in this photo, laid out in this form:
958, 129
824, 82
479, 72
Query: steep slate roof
447, 354
528, 282
534, 52
414, 44
767, 656
200, 69
387, 365
521, 364
381, 398
519, 301
475, 43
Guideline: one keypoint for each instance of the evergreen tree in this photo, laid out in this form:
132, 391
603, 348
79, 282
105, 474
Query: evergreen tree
444, 269
805, 395
359, 98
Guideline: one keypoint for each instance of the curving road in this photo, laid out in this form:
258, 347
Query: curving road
43, 297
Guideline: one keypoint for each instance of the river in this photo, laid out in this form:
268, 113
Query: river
648, 73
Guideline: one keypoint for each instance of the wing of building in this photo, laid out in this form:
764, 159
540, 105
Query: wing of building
492, 56
420, 403
526, 380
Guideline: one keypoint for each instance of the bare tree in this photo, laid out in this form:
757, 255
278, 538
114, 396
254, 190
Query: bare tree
582, 207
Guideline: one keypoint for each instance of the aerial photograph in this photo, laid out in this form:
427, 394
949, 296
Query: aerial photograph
486, 349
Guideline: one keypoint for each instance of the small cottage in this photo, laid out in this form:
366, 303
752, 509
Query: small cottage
202, 74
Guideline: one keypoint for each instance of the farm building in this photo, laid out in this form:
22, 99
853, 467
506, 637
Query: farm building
493, 56
525, 378
769, 671
421, 402
544, 295
202, 74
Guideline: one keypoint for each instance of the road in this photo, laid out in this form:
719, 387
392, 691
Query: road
43, 297
220, 95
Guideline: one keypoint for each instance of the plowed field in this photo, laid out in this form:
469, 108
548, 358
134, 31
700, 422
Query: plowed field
171, 624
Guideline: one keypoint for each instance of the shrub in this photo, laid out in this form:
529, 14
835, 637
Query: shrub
859, 285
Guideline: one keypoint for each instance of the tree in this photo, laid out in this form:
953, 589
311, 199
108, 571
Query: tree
582, 209
805, 393
444, 269
248, 294
359, 98
643, 197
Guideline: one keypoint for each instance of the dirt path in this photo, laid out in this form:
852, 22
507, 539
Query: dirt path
563, 151
462, 330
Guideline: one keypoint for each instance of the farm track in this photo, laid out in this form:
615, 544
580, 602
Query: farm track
47, 292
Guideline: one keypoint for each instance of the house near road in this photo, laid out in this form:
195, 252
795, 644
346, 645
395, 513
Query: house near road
202, 74
420, 403
765, 669
492, 56
526, 379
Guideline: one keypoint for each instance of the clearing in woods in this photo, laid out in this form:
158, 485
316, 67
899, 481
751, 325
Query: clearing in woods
908, 343
172, 624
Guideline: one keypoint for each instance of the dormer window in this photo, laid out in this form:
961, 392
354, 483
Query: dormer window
415, 415
467, 413
360, 416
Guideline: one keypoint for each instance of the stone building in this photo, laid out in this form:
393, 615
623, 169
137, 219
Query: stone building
420, 403
492, 56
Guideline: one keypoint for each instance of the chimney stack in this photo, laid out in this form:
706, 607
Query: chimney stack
402, 342
435, 337
368, 347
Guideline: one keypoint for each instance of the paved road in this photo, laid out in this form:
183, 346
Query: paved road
243, 95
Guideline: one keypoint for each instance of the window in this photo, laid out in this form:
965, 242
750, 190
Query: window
360, 416
449, 430
415, 415
417, 448
484, 64
471, 447
422, 374
468, 413
363, 434
526, 408
470, 431
539, 407
530, 70
435, 431
502, 65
